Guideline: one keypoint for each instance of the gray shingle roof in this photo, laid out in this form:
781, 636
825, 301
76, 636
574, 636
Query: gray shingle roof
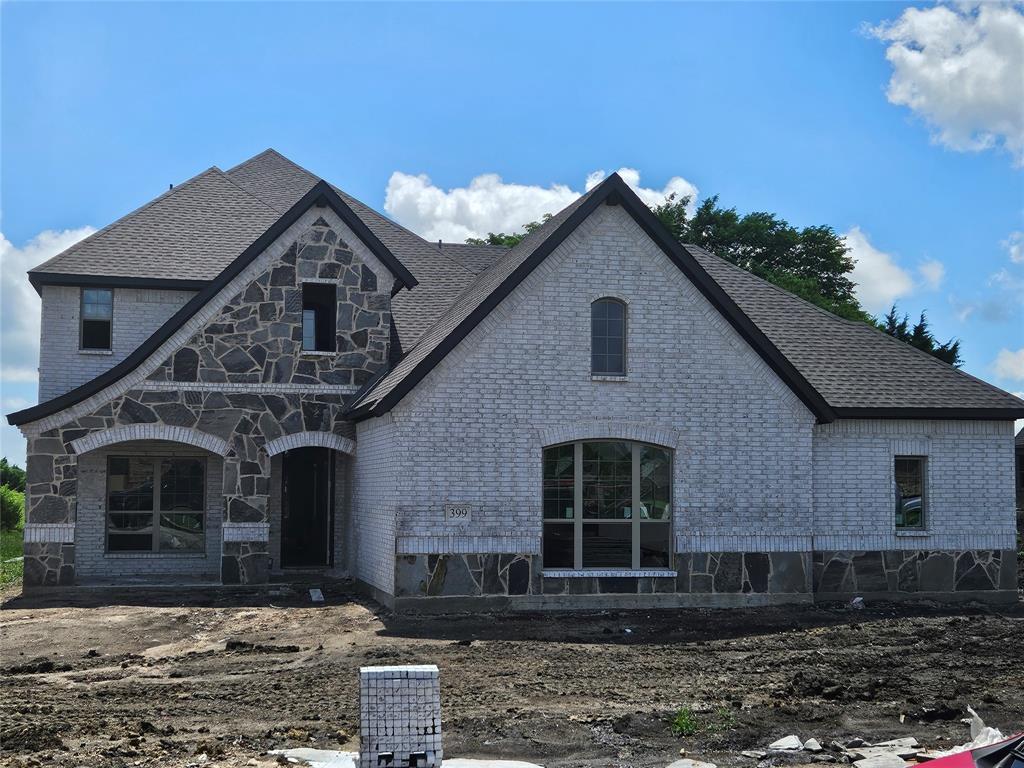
850, 363
192, 232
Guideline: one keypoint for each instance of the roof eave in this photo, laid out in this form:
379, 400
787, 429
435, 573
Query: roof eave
1008, 413
39, 279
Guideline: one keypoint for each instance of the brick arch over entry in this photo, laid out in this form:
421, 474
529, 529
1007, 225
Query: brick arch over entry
617, 430
151, 432
311, 440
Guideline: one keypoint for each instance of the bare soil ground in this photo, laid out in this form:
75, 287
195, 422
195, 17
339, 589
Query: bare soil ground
144, 679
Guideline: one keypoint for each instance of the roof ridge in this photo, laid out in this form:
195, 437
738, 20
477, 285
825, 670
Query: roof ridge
259, 200
856, 325
112, 225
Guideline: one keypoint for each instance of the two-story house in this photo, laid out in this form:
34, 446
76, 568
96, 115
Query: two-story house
255, 372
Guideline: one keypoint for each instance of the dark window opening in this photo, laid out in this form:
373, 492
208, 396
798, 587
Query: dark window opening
319, 301
156, 505
910, 496
608, 338
97, 318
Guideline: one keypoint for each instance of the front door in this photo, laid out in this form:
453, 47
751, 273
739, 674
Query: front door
306, 507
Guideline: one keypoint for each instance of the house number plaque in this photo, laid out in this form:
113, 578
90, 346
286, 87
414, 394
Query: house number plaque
458, 514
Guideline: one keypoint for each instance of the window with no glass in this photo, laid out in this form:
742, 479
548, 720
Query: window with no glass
318, 319
97, 318
608, 338
909, 474
607, 504
156, 504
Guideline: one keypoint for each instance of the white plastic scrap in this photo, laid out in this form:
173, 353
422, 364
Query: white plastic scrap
318, 758
981, 736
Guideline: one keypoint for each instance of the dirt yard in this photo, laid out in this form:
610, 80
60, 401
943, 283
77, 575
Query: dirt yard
136, 679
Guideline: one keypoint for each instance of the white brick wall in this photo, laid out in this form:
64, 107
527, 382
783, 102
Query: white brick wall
968, 489
474, 428
91, 559
137, 314
375, 503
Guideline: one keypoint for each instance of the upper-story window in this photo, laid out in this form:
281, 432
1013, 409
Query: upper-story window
97, 318
909, 474
608, 338
319, 301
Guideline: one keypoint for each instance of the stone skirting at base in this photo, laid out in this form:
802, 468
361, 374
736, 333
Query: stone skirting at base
712, 579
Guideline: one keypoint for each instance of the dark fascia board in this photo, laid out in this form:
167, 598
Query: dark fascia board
614, 191
39, 279
321, 194
956, 414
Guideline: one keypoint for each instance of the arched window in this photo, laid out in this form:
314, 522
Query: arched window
608, 337
607, 504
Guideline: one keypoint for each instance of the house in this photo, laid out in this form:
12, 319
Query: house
255, 372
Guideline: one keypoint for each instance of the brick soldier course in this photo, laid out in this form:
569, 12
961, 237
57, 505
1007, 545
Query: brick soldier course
452, 368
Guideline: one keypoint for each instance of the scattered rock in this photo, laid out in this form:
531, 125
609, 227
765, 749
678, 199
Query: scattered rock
813, 745
754, 754
37, 666
937, 712
887, 760
30, 738
787, 743
688, 763
243, 646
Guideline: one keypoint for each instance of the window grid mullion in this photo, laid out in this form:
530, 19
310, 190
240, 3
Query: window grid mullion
635, 501
577, 505
157, 469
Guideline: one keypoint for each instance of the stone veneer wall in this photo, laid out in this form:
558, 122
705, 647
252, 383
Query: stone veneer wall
239, 377
706, 576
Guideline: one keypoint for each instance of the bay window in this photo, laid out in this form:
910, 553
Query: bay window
607, 505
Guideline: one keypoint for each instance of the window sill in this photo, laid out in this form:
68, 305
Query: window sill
570, 573
155, 555
95, 351
317, 353
913, 532
605, 377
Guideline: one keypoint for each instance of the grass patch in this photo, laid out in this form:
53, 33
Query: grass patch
689, 723
10, 548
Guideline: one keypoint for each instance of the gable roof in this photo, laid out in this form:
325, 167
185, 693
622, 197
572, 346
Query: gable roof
838, 368
321, 194
499, 280
193, 235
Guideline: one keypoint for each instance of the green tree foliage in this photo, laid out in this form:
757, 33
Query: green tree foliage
919, 335
12, 508
12, 475
509, 241
813, 263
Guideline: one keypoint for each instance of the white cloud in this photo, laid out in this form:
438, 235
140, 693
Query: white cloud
19, 304
1014, 245
1009, 364
489, 204
932, 272
880, 280
961, 68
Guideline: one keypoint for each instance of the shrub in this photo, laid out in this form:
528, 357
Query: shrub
685, 722
12, 508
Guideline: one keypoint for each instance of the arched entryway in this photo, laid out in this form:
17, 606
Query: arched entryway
309, 501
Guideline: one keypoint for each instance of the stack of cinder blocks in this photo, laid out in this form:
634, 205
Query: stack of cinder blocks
400, 717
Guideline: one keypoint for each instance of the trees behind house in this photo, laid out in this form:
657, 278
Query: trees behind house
12, 496
814, 262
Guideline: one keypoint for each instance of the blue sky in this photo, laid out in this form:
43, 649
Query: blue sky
779, 107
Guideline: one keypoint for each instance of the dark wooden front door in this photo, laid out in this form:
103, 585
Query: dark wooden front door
306, 507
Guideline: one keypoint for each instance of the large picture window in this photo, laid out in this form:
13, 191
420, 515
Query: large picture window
156, 504
607, 504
